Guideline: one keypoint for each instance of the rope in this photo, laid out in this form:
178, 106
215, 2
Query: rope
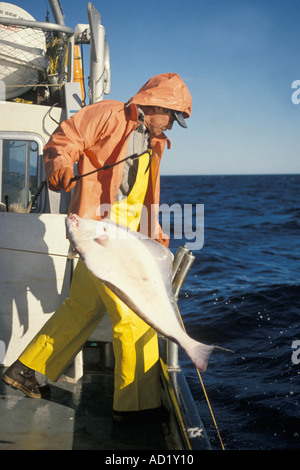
33, 252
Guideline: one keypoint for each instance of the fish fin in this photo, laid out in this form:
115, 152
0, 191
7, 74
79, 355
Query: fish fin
124, 297
128, 301
72, 254
200, 354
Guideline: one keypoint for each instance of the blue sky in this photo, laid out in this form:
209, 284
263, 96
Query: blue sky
239, 60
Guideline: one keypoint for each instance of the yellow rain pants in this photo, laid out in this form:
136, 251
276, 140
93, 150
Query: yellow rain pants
135, 343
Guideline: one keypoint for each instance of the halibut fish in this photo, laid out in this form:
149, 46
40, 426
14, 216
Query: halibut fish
139, 271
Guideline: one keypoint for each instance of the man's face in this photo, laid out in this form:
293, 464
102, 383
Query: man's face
159, 120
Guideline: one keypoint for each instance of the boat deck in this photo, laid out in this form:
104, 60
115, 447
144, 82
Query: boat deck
74, 416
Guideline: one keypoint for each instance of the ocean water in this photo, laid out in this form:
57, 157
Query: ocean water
243, 293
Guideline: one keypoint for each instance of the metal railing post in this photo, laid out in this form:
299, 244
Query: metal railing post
182, 263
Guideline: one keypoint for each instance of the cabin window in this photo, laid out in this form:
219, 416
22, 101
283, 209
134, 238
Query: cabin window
20, 174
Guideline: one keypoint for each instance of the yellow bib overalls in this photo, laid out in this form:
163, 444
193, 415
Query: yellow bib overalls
135, 343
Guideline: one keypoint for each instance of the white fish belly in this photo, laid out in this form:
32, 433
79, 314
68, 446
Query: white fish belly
129, 271
139, 272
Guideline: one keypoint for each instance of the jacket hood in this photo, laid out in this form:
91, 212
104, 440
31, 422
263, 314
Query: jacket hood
166, 90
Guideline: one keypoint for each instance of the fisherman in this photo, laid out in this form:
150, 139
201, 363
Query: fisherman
108, 134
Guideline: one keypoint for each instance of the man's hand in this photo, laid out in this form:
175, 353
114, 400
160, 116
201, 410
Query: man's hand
61, 180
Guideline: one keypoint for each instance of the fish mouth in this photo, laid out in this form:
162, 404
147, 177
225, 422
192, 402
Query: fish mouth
73, 219
73, 253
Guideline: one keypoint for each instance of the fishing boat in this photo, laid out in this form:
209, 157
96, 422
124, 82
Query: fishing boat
42, 83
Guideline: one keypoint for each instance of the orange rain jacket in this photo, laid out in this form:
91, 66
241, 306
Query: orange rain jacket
98, 135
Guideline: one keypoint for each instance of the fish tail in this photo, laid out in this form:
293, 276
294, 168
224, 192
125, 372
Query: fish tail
199, 354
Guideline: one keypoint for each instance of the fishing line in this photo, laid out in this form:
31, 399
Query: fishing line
107, 167
210, 409
33, 252
205, 394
